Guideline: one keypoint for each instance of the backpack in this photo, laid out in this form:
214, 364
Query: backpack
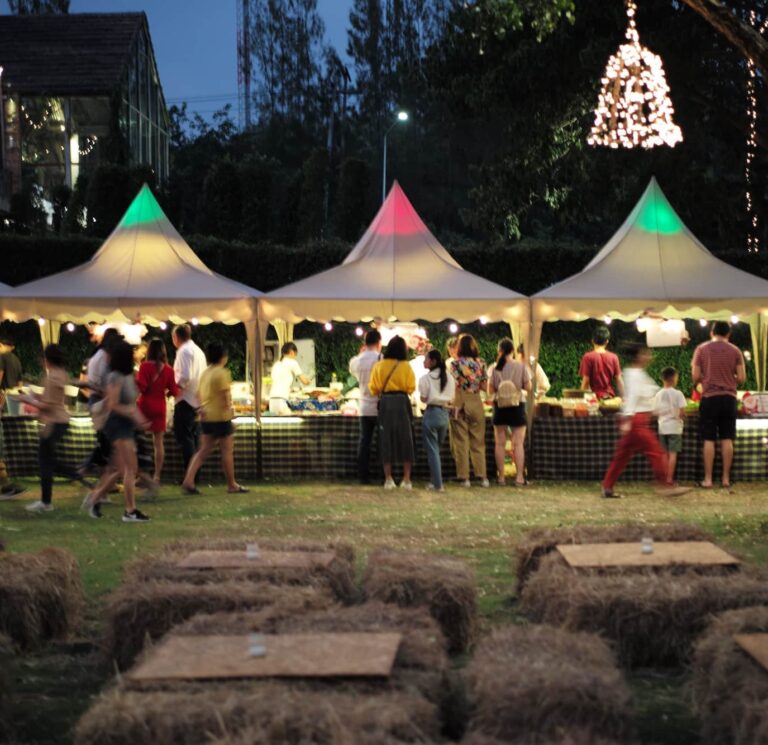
508, 395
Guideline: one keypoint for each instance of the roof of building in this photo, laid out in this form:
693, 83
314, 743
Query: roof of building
75, 54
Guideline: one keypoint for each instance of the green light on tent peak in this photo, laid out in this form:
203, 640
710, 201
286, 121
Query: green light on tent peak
657, 216
144, 209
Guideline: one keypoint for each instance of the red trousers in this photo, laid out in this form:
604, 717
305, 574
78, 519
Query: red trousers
640, 438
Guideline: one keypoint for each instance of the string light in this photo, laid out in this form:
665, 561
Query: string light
633, 107
70, 327
328, 326
753, 221
359, 331
90, 141
47, 113
453, 328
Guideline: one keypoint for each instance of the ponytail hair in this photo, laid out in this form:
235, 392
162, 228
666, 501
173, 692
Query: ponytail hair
506, 347
437, 358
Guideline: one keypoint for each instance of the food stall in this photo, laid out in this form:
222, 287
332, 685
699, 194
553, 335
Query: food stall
653, 267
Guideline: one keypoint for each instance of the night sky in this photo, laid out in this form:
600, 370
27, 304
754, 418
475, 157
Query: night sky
194, 42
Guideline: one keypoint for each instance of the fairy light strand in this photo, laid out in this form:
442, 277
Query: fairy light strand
634, 108
753, 220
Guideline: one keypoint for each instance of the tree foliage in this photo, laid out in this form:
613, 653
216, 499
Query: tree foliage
34, 7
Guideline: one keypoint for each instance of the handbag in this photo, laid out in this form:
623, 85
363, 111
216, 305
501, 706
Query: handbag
386, 380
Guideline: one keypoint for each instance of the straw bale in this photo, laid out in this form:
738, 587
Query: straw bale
730, 689
653, 617
272, 714
339, 576
446, 586
41, 596
147, 610
538, 681
421, 664
537, 543
6, 669
571, 736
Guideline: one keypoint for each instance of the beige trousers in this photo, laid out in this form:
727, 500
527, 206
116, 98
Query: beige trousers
468, 433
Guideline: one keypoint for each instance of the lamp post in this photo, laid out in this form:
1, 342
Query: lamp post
402, 116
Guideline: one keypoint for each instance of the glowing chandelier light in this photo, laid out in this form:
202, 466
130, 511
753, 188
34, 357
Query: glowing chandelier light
634, 108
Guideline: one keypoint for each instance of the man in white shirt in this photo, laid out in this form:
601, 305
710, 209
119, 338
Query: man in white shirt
285, 372
360, 367
187, 368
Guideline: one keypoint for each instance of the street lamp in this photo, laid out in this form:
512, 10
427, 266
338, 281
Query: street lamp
402, 116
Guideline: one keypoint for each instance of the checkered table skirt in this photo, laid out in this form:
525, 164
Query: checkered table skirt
580, 449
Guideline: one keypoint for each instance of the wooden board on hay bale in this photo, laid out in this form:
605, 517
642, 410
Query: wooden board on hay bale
446, 586
653, 616
730, 689
338, 575
421, 663
539, 681
41, 596
138, 611
534, 544
271, 715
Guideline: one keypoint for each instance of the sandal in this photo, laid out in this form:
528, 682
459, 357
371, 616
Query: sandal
239, 490
522, 484
700, 485
193, 490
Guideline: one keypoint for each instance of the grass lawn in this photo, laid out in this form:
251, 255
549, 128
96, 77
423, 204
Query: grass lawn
479, 525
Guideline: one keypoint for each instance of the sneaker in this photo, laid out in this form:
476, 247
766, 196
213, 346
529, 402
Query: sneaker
11, 491
485, 483
609, 493
94, 511
407, 485
432, 487
39, 506
466, 484
389, 484
137, 516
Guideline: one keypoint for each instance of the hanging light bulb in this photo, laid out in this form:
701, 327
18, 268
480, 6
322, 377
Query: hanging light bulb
195, 321
328, 326
359, 331
633, 106
702, 322
163, 325
734, 319
453, 328
41, 321
70, 327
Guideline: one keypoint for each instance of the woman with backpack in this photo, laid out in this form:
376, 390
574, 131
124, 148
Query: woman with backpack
508, 380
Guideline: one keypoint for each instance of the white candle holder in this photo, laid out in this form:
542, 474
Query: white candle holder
252, 551
646, 546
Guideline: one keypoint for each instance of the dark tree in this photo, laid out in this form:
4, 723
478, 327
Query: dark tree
33, 7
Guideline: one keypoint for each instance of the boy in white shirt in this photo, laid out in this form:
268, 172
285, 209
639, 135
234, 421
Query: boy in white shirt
669, 406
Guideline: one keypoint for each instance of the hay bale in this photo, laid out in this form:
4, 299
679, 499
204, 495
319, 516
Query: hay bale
41, 596
140, 611
271, 715
730, 689
527, 682
446, 586
339, 576
653, 617
6, 676
564, 737
421, 664
537, 543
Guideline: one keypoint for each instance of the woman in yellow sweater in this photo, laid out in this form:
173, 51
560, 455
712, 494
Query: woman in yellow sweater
393, 380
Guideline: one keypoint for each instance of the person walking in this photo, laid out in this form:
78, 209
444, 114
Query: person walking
217, 414
599, 369
719, 366
10, 377
284, 373
437, 390
187, 368
471, 378
393, 382
123, 418
156, 381
360, 367
509, 381
636, 434
54, 419
669, 406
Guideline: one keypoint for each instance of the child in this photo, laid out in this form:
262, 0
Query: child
635, 427
669, 406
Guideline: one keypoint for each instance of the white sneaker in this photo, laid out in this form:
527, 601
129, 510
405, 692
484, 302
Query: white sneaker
39, 506
389, 484
432, 487
407, 485
486, 483
466, 484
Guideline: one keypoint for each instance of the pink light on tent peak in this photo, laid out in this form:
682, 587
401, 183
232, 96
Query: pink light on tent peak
397, 215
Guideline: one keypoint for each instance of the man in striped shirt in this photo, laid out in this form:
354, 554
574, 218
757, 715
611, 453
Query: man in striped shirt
719, 366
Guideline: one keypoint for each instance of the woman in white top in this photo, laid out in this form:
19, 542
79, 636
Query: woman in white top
284, 373
436, 390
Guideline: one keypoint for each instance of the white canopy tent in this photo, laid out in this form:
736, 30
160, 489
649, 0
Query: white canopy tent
143, 271
397, 271
655, 264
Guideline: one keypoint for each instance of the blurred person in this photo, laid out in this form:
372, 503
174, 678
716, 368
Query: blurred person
393, 382
471, 378
10, 377
156, 381
187, 368
285, 372
510, 379
215, 392
437, 390
361, 367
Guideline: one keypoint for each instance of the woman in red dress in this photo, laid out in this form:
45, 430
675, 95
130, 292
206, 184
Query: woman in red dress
155, 381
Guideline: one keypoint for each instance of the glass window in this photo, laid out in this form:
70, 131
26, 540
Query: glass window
133, 139
144, 140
